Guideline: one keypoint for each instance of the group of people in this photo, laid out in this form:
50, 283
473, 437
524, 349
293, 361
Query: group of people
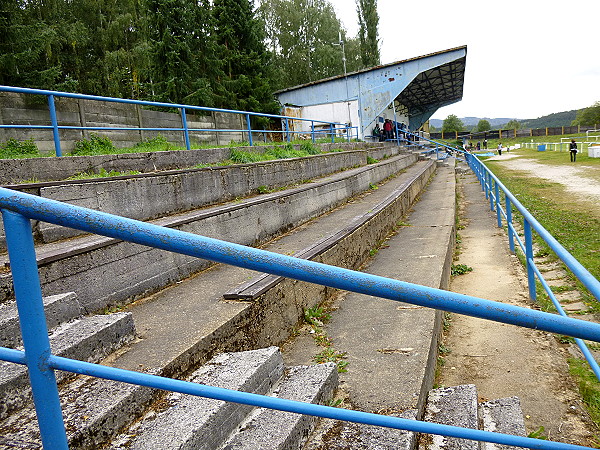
388, 131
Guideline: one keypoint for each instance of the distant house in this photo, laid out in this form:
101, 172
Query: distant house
408, 92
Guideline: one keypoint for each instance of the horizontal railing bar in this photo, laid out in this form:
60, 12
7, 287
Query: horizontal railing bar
264, 401
580, 343
575, 266
263, 261
149, 103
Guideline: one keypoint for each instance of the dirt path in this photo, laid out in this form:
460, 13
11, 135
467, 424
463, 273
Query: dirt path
505, 360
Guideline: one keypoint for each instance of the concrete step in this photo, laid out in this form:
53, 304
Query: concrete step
201, 423
458, 406
502, 416
88, 339
209, 326
338, 435
59, 308
269, 429
452, 406
139, 270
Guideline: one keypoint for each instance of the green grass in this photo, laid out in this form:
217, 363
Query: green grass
589, 387
102, 173
574, 222
13, 149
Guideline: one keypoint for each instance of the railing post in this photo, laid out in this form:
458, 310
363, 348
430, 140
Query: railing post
312, 130
287, 129
332, 133
498, 209
529, 259
54, 122
511, 236
492, 201
186, 133
28, 294
249, 130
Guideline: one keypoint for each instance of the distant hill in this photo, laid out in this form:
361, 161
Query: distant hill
551, 120
561, 119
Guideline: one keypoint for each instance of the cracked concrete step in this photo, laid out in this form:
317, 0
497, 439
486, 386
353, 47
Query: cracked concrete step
502, 416
452, 406
88, 339
458, 406
269, 429
202, 423
93, 410
59, 308
339, 435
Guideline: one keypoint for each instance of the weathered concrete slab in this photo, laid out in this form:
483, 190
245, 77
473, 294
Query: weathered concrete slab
270, 429
112, 271
200, 423
452, 406
356, 436
59, 308
502, 416
88, 339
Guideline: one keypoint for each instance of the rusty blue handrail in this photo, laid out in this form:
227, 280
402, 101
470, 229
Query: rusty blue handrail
492, 187
17, 210
332, 127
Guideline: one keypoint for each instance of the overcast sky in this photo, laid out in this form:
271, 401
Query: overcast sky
525, 58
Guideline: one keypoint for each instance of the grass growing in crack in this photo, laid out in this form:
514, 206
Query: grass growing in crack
316, 317
460, 269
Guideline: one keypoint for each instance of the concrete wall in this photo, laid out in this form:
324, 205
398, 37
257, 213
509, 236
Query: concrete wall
13, 171
18, 109
111, 271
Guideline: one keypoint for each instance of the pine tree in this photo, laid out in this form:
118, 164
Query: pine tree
245, 82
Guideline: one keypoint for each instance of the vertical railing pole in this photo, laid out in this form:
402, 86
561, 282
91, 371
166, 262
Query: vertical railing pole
498, 208
249, 130
287, 129
529, 259
511, 236
54, 122
331, 130
312, 131
28, 295
186, 132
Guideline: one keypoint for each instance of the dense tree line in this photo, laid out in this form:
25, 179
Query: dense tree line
220, 53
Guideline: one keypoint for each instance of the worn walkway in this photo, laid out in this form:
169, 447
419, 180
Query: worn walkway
504, 360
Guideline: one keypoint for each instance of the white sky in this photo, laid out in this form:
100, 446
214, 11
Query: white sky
525, 58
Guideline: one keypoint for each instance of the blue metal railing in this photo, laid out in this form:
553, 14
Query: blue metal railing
492, 187
331, 129
19, 208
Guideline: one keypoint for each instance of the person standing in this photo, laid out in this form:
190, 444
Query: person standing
573, 150
499, 148
485, 144
387, 129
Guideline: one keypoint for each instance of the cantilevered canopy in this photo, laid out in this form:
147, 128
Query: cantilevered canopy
415, 87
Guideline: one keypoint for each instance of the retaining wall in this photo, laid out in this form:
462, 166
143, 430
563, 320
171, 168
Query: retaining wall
20, 109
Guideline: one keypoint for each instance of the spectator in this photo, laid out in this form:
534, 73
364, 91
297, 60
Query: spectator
573, 150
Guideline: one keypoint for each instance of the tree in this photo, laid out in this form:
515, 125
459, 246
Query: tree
452, 123
302, 37
368, 21
513, 124
483, 125
589, 116
244, 59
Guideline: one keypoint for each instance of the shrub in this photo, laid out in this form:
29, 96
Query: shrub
95, 145
13, 147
